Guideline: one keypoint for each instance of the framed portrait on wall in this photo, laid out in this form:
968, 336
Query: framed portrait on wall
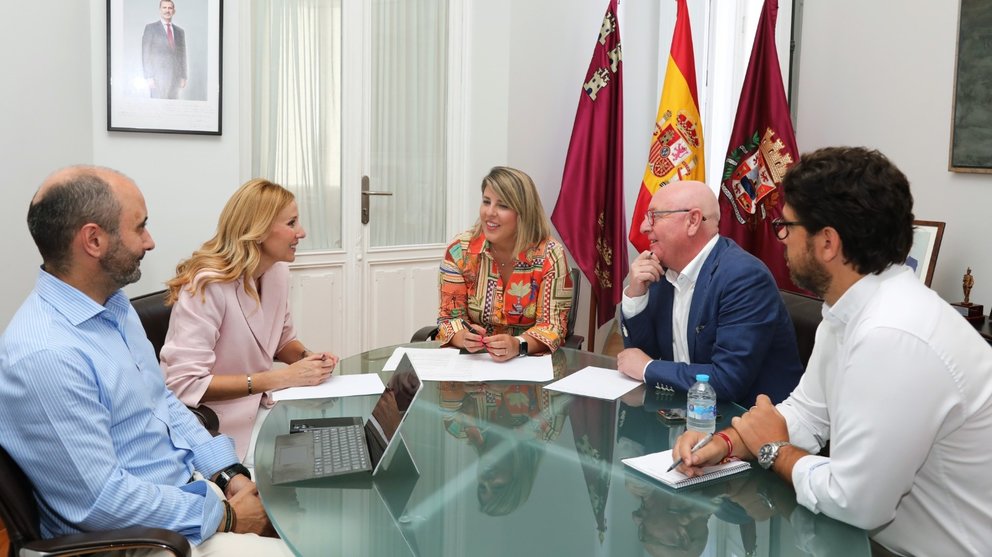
164, 66
971, 125
926, 245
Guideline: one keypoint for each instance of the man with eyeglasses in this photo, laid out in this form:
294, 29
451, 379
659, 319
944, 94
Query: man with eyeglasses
898, 382
698, 303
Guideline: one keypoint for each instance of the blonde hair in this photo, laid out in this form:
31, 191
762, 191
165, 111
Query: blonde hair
233, 252
518, 191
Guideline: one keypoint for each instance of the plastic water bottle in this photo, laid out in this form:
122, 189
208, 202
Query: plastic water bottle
701, 410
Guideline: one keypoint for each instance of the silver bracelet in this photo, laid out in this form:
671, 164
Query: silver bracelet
250, 390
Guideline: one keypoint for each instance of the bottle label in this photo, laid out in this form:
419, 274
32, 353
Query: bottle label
701, 412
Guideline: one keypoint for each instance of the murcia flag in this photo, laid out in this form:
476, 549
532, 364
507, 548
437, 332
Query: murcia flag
762, 147
676, 151
589, 213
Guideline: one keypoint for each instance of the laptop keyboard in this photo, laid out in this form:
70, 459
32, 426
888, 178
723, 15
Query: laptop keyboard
339, 450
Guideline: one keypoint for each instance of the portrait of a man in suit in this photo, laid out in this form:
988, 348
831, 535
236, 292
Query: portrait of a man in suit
163, 54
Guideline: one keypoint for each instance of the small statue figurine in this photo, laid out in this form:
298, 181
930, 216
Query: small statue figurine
967, 281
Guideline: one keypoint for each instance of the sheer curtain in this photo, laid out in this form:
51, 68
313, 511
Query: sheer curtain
408, 120
296, 108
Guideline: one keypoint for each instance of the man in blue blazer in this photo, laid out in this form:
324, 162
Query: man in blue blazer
163, 54
697, 303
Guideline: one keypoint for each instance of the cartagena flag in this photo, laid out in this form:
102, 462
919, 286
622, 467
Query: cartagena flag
589, 214
762, 147
676, 151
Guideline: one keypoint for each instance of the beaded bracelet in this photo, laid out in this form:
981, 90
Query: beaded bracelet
251, 391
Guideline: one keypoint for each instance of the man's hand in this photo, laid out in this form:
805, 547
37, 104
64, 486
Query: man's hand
644, 270
692, 462
251, 517
631, 362
760, 425
238, 483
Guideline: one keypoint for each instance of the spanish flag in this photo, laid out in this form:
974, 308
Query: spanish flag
676, 151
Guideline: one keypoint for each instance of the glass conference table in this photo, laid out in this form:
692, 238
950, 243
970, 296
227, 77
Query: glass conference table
513, 470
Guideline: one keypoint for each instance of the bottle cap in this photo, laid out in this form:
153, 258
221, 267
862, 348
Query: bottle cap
703, 378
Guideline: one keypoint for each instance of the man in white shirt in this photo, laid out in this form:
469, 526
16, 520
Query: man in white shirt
696, 303
898, 382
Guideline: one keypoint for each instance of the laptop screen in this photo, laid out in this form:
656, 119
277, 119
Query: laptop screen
383, 425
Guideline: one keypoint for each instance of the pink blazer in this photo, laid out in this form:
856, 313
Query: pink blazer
227, 333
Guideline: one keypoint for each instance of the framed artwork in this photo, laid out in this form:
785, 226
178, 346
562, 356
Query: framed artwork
971, 125
164, 66
926, 244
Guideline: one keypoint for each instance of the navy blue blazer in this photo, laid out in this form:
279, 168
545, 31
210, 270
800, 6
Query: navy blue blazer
739, 332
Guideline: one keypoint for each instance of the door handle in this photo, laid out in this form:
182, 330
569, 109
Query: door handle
366, 193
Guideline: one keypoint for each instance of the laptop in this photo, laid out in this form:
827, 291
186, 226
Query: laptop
345, 447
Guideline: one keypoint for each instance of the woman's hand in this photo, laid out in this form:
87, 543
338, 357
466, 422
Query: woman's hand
311, 370
502, 347
471, 337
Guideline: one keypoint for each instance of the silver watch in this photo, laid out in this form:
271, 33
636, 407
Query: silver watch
769, 452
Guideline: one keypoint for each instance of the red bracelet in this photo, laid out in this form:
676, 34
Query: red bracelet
726, 439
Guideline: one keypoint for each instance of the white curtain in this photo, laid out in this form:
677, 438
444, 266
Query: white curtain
296, 108
408, 140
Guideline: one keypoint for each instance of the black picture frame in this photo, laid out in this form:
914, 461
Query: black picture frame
158, 86
971, 120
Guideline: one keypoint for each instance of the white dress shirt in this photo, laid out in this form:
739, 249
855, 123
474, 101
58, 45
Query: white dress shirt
901, 385
684, 284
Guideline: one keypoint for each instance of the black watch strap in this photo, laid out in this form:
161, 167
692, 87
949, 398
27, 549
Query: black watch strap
225, 475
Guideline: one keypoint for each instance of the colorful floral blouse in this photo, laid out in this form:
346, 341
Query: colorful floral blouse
536, 301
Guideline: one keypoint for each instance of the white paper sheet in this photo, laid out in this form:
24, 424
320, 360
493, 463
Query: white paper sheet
336, 386
596, 382
447, 364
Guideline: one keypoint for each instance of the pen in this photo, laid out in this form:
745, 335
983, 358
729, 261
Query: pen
702, 443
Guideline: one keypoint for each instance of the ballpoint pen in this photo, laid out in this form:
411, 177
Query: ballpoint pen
699, 445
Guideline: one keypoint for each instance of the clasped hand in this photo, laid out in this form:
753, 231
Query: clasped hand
500, 347
312, 370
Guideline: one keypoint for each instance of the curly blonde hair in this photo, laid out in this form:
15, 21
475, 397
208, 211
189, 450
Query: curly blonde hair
233, 252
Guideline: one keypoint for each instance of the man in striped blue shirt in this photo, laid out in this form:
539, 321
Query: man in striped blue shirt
84, 409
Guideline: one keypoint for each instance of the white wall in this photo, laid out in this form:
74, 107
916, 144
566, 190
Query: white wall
57, 116
891, 88
44, 122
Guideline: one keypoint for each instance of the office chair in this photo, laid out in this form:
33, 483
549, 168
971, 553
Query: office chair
571, 340
19, 512
154, 316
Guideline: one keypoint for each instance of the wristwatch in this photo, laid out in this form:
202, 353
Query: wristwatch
225, 475
769, 452
523, 346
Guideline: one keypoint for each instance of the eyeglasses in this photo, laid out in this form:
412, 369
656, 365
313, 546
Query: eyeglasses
652, 215
781, 227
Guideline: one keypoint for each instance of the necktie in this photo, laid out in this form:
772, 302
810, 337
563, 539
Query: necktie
168, 33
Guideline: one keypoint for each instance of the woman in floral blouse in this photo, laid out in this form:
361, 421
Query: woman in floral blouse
505, 284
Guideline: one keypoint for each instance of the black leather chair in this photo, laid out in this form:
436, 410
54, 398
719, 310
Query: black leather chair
154, 316
19, 512
572, 340
806, 315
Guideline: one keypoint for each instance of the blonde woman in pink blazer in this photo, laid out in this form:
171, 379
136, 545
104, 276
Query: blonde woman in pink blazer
230, 315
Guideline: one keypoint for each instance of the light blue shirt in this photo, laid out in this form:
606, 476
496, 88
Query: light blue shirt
85, 412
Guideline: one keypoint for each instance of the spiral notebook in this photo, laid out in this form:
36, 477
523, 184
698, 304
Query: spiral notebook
655, 464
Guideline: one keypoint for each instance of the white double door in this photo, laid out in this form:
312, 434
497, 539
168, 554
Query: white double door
377, 281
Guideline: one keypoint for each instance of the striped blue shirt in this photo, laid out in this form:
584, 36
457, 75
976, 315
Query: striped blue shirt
85, 412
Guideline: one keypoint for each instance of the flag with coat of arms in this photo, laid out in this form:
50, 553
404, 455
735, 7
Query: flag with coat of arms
762, 147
